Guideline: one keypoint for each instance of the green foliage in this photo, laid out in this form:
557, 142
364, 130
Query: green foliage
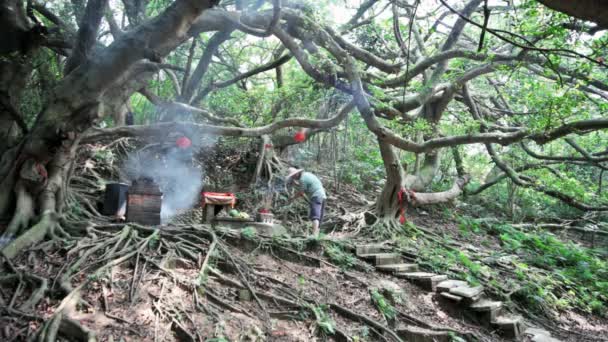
576, 276
323, 321
154, 241
338, 256
249, 233
383, 305
467, 224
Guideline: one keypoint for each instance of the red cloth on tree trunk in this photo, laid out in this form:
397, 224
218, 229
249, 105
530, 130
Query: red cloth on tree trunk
402, 196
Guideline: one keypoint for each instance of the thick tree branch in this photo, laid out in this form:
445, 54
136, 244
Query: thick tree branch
360, 12
87, 34
426, 63
592, 10
203, 64
488, 184
262, 68
162, 129
499, 35
562, 158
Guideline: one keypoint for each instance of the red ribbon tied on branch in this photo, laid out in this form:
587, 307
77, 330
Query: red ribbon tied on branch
404, 195
183, 142
300, 136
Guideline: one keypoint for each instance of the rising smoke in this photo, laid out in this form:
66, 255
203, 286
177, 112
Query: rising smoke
179, 177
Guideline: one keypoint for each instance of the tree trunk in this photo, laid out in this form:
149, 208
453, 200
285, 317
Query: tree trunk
74, 108
398, 184
387, 204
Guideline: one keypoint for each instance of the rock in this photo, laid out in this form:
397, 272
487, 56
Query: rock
446, 285
398, 267
417, 334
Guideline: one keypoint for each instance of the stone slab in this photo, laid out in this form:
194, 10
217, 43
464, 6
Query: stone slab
449, 284
531, 331
439, 278
417, 334
485, 305
373, 256
509, 326
544, 338
430, 283
417, 275
368, 249
268, 229
467, 292
451, 297
539, 335
386, 259
398, 267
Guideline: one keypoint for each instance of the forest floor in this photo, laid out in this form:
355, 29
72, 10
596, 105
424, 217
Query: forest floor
159, 295
191, 282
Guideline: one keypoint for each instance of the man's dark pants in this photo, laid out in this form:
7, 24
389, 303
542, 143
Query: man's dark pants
317, 209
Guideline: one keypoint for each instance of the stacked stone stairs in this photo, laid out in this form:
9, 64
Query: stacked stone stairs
470, 299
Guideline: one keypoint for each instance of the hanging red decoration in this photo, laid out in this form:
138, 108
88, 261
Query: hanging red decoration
300, 136
183, 142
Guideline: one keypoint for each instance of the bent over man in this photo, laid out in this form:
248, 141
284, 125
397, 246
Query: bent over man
313, 188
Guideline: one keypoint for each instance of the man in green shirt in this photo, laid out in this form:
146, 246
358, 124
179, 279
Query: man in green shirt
313, 188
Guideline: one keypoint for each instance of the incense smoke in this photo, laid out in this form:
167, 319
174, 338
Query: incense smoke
179, 177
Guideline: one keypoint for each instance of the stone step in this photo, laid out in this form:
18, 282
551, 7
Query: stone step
416, 334
509, 326
383, 258
544, 338
430, 284
446, 285
451, 297
415, 275
472, 294
398, 268
485, 305
428, 281
368, 249
539, 335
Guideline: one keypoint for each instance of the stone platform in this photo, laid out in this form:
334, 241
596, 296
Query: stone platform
268, 229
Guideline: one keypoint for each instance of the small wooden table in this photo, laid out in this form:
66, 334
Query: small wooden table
211, 201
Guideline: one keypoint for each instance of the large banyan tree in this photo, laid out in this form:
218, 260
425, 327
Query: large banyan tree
426, 77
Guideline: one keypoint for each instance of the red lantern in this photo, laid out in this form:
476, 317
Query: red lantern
300, 136
183, 142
